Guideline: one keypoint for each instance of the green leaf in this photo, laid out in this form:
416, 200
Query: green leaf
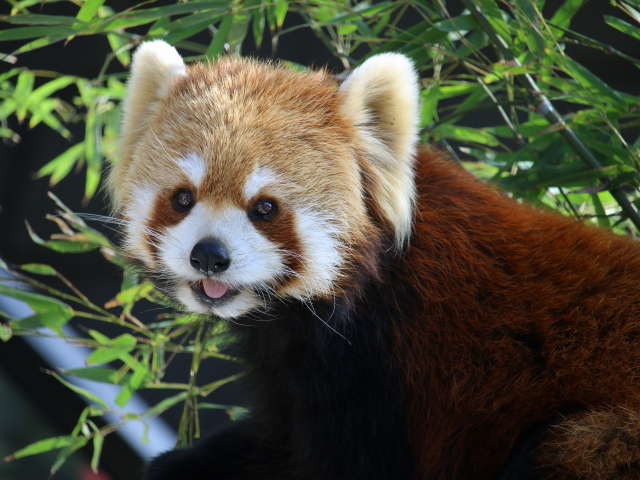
76, 244
99, 374
603, 220
89, 10
259, 24
40, 42
38, 269
565, 13
281, 9
37, 19
592, 83
81, 391
216, 47
104, 355
124, 340
48, 312
430, 100
494, 16
562, 176
119, 46
140, 373
42, 446
456, 24
420, 34
60, 166
98, 441
180, 34
101, 338
144, 16
66, 452
114, 349
5, 332
21, 33
466, 134
623, 26
165, 404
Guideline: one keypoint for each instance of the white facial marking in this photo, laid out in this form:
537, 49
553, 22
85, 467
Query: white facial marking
194, 166
321, 255
255, 261
137, 233
260, 178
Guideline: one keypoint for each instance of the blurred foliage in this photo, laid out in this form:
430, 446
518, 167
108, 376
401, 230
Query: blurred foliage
493, 57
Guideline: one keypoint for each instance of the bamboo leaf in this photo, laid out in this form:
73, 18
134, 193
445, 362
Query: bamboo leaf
99, 374
38, 269
456, 24
66, 453
39, 43
592, 83
565, 13
60, 166
38, 19
216, 47
430, 100
46, 90
562, 176
89, 9
602, 218
103, 355
98, 441
144, 16
119, 47
22, 33
466, 134
81, 391
5, 332
42, 446
281, 9
47, 312
165, 404
623, 26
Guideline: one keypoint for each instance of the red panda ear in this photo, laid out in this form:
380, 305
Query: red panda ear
381, 97
154, 67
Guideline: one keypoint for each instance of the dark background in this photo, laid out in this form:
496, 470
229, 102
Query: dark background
26, 413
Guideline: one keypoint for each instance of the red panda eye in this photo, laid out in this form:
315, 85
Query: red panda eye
264, 209
183, 200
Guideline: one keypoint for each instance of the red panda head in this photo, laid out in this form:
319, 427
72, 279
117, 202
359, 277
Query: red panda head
242, 181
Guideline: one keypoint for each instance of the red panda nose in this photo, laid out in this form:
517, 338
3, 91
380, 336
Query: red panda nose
210, 256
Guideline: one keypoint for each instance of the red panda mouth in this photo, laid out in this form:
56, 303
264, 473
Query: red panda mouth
210, 291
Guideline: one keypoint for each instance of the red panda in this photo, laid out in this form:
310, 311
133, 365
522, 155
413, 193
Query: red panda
399, 319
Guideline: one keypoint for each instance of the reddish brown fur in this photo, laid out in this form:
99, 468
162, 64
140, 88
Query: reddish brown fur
517, 314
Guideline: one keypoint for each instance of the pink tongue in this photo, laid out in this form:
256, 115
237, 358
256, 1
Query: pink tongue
214, 289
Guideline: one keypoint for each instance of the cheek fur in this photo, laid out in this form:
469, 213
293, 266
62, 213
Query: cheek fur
140, 238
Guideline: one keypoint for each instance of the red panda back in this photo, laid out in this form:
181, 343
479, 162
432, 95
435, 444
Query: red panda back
512, 315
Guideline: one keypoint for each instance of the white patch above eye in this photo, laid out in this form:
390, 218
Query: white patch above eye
260, 178
194, 166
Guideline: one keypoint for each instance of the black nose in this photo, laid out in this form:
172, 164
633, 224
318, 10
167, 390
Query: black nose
210, 256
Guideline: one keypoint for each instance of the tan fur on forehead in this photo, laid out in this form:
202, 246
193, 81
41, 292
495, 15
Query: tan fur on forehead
240, 115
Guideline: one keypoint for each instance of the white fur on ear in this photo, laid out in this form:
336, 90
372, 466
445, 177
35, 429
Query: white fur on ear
382, 99
154, 67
